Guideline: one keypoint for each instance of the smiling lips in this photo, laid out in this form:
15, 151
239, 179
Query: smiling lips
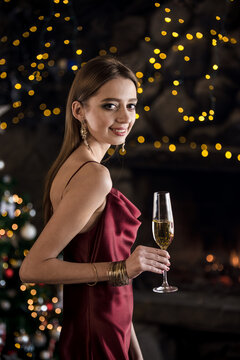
119, 131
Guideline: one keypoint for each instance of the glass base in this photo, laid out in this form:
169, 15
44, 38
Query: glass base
165, 289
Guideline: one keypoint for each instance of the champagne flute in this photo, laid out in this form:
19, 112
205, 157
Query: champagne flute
163, 231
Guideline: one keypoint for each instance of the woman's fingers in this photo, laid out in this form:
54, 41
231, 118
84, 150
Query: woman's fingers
146, 258
154, 251
157, 255
157, 264
159, 258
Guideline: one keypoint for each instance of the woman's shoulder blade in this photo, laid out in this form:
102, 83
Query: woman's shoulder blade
92, 176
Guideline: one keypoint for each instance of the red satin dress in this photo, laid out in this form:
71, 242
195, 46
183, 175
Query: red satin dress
97, 319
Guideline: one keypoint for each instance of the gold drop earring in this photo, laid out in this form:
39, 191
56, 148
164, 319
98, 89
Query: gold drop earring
84, 133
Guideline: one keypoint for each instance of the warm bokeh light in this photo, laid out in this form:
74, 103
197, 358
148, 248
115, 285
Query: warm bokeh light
204, 153
165, 139
210, 258
141, 139
157, 144
218, 146
228, 154
172, 147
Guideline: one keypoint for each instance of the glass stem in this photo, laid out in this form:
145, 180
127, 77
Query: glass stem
165, 281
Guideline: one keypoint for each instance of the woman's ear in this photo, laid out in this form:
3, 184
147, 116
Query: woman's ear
78, 110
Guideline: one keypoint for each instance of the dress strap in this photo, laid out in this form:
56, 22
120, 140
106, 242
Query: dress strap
76, 172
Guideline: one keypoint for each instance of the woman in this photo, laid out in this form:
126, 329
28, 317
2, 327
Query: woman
94, 224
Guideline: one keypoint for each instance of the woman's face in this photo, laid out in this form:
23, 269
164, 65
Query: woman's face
110, 113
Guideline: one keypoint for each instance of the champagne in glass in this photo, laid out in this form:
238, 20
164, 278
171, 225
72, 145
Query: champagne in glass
163, 231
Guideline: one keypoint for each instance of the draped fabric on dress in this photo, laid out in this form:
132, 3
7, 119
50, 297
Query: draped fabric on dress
97, 319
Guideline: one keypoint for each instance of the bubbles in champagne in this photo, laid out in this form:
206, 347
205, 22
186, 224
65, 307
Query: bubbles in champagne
163, 233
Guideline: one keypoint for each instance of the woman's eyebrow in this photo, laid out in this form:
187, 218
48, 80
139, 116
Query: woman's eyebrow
116, 99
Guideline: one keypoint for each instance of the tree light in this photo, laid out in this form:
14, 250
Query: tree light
180, 47
213, 32
141, 139
228, 154
172, 147
113, 49
16, 42
165, 139
199, 35
56, 111
189, 36
157, 66
182, 139
47, 112
33, 29
18, 86
157, 144
162, 56
204, 153
193, 145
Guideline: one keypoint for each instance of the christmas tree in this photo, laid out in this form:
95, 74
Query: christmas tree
29, 313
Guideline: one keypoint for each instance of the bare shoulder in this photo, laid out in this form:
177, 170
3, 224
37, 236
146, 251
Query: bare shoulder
92, 176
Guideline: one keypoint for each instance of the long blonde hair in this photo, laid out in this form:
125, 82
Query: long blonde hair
86, 83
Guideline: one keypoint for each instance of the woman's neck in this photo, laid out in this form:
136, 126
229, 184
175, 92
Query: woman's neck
96, 151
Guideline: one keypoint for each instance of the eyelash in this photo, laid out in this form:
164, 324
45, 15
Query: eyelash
106, 106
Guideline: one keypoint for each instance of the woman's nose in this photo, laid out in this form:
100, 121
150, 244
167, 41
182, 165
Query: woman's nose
124, 116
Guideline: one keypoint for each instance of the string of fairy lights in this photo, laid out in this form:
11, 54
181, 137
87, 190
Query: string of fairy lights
40, 66
157, 61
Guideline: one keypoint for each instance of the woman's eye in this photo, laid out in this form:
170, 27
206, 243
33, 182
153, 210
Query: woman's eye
109, 106
132, 106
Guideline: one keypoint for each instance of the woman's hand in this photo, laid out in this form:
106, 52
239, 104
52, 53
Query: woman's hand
145, 258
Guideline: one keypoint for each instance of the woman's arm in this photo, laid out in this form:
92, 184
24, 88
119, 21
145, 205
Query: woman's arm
84, 196
134, 350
